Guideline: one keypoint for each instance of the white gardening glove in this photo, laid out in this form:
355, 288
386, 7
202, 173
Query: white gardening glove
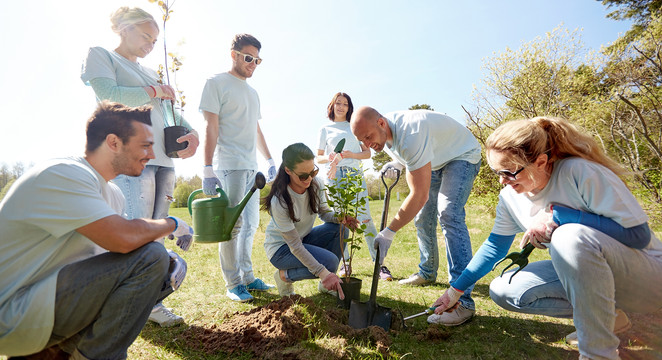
383, 242
210, 181
334, 158
447, 300
272, 172
389, 169
332, 282
183, 233
177, 270
539, 232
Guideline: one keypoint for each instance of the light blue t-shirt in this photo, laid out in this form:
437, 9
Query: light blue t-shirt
104, 64
238, 108
422, 136
38, 218
330, 136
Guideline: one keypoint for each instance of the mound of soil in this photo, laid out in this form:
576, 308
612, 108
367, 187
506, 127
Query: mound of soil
267, 331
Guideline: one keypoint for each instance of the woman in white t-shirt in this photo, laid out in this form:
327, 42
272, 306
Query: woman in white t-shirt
566, 195
296, 248
339, 111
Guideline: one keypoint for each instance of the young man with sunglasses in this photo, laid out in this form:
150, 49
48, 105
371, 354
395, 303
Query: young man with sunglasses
231, 108
442, 159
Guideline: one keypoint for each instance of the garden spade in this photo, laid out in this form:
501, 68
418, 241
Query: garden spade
364, 314
332, 167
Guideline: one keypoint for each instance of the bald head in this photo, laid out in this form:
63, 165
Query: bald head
370, 127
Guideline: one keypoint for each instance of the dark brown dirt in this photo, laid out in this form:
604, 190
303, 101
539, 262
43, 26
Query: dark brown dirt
268, 331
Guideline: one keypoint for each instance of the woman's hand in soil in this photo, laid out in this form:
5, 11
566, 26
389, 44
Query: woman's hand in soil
332, 282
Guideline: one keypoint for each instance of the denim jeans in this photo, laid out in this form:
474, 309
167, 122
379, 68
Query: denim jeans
589, 276
235, 254
103, 302
147, 195
342, 171
322, 243
450, 187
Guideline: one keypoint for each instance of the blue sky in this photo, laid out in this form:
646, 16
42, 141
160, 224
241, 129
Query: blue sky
384, 53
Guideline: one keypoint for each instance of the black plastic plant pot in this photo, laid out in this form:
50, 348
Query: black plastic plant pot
172, 133
352, 291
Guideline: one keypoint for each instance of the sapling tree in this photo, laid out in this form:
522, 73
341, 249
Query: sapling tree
344, 197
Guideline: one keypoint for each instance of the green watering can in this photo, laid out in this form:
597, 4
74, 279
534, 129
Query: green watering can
213, 218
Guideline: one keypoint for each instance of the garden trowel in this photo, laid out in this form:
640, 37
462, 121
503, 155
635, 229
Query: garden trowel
332, 167
362, 315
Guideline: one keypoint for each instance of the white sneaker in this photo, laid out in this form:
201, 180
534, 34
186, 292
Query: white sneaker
164, 317
324, 290
415, 280
284, 288
456, 317
622, 324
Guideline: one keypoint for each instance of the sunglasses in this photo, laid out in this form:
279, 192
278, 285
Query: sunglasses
249, 58
304, 177
512, 176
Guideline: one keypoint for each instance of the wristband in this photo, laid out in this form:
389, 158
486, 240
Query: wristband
175, 220
153, 89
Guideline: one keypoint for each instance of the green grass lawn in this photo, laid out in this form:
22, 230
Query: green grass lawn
493, 334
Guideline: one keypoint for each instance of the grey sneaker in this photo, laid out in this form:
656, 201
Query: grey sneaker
415, 280
622, 324
164, 317
284, 288
456, 317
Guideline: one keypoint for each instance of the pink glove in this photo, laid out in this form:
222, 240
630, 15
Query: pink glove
540, 230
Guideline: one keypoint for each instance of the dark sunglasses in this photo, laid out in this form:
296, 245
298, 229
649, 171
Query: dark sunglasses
249, 58
512, 176
304, 177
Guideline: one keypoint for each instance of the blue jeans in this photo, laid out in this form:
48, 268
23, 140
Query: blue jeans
342, 171
322, 243
235, 254
103, 302
450, 187
147, 195
589, 276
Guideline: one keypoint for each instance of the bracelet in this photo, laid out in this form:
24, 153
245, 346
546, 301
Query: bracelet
153, 89
176, 224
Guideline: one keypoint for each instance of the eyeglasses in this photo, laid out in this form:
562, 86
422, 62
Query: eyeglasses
249, 58
304, 177
512, 176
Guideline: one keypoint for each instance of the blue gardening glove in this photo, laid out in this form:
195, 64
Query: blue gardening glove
389, 169
383, 242
210, 181
183, 233
272, 172
177, 270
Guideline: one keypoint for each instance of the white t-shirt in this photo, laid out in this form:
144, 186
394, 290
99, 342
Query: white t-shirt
578, 184
281, 222
38, 218
101, 63
330, 136
238, 108
421, 137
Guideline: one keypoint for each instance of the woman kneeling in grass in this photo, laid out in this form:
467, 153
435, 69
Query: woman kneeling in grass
296, 248
566, 195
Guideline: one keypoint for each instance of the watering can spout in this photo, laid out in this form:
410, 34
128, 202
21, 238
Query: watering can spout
213, 218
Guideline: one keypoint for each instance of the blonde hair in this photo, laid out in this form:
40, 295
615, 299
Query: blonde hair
125, 17
556, 137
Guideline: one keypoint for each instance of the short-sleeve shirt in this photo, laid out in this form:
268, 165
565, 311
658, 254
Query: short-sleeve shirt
101, 63
422, 136
238, 108
39, 217
579, 184
330, 136
281, 222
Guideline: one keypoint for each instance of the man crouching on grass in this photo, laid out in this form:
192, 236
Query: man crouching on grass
61, 292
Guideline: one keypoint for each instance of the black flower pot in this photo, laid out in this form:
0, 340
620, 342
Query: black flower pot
172, 133
352, 291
